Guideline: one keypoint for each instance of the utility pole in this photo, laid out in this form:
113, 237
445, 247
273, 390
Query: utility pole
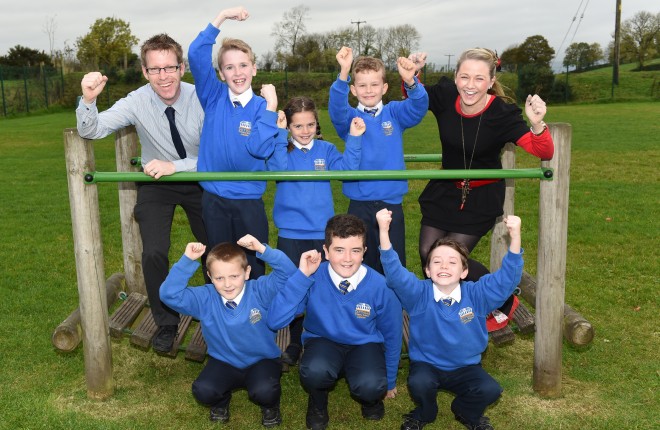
359, 40
448, 60
617, 44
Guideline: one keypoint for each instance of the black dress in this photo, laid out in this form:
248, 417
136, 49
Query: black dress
498, 124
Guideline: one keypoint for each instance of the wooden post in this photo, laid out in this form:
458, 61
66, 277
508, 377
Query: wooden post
551, 266
67, 335
499, 243
126, 147
88, 250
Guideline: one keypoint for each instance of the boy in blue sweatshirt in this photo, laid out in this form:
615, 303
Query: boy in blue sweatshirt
301, 209
238, 135
382, 143
353, 324
448, 325
232, 311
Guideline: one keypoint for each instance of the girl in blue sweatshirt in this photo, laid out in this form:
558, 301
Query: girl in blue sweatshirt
448, 324
302, 208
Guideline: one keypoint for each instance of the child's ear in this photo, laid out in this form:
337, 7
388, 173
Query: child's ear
209, 275
247, 272
464, 274
428, 272
385, 88
353, 90
325, 251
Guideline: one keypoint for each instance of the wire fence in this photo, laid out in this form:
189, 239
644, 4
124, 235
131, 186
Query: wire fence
27, 89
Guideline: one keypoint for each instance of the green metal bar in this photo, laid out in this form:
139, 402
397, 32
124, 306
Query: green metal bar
410, 158
537, 173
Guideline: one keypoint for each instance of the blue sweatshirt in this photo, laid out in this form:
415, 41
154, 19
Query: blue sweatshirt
238, 336
371, 313
382, 142
234, 139
302, 208
450, 337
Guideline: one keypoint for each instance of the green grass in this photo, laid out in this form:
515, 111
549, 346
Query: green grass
612, 279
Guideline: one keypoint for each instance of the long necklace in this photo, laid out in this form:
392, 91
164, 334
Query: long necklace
465, 183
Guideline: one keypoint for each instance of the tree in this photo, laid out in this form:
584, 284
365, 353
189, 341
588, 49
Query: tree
582, 55
50, 26
510, 58
291, 28
639, 36
20, 56
535, 50
108, 42
401, 41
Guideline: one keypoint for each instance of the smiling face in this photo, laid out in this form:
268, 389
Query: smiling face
303, 127
237, 69
369, 87
445, 268
166, 85
345, 255
472, 81
228, 277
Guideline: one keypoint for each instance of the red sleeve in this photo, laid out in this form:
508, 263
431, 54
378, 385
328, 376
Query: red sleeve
541, 146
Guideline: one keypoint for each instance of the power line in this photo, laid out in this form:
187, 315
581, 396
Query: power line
561, 45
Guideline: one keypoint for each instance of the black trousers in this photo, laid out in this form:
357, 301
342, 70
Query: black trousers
366, 211
215, 383
154, 212
227, 220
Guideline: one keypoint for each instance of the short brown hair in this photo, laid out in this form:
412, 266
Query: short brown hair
227, 251
161, 42
344, 226
453, 244
235, 45
369, 64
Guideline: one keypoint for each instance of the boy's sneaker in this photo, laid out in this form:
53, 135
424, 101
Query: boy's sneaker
316, 419
164, 338
410, 423
483, 424
271, 417
375, 412
219, 414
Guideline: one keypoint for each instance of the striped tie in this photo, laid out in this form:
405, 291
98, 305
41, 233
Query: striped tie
304, 150
236, 103
371, 112
343, 286
231, 304
447, 301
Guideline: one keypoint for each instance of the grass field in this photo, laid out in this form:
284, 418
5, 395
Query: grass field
612, 279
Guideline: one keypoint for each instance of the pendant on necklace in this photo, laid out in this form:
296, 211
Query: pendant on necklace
465, 190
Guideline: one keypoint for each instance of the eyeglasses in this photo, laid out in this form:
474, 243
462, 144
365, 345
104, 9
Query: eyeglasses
156, 70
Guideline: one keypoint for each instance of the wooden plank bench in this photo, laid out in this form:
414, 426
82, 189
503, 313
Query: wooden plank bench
126, 313
196, 349
524, 319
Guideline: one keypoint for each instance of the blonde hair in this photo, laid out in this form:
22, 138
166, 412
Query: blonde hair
369, 64
234, 45
490, 58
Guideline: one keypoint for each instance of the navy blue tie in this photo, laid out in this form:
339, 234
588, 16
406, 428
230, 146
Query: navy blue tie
371, 112
304, 150
447, 301
176, 137
236, 103
231, 304
343, 286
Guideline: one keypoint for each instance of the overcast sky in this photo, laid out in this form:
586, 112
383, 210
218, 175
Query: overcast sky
447, 27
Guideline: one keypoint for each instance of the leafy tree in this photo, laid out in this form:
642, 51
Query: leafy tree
639, 37
401, 41
108, 42
291, 28
534, 79
582, 55
23, 56
535, 50
510, 58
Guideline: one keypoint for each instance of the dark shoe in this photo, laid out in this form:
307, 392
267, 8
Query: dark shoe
410, 423
164, 338
219, 414
374, 412
316, 419
291, 354
483, 424
270, 417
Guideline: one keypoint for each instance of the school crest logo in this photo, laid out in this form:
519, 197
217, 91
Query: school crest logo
245, 128
255, 315
319, 164
387, 128
466, 315
362, 310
